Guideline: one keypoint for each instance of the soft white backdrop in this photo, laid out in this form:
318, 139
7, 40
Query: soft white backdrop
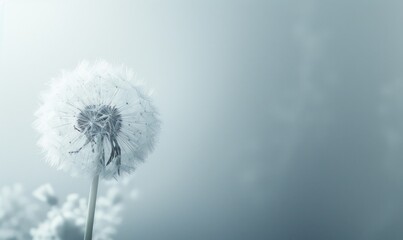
276, 121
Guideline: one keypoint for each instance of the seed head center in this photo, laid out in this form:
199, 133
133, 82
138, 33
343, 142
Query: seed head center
99, 120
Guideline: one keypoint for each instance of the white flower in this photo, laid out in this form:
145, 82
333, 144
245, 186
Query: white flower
93, 121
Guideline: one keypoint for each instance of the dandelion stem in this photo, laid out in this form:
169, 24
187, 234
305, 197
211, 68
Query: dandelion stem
91, 208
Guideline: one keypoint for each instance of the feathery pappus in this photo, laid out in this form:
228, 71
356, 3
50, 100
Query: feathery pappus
95, 121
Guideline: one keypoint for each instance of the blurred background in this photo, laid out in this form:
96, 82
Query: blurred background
281, 119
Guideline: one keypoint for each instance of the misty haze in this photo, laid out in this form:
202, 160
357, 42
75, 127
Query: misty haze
280, 119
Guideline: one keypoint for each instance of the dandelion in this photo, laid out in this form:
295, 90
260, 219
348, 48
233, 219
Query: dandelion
94, 121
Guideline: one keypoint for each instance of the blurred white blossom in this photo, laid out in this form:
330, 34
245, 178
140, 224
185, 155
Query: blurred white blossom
17, 213
65, 222
96, 107
22, 218
68, 221
45, 193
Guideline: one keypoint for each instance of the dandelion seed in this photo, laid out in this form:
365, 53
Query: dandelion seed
93, 121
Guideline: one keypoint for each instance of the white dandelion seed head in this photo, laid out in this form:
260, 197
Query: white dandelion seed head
95, 120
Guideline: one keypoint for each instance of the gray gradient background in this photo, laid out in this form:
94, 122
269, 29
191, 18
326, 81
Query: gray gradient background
281, 119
